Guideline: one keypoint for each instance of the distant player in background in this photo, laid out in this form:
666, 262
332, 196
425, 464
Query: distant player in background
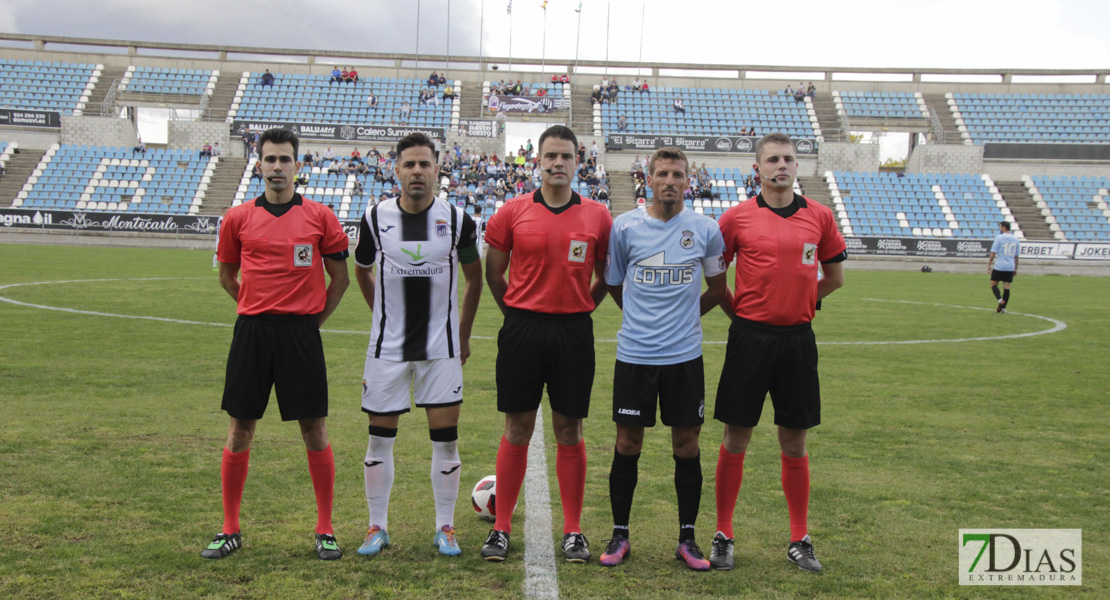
1003, 263
553, 243
657, 257
273, 253
778, 239
417, 338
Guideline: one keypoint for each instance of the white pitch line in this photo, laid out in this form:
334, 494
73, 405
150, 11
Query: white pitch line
540, 581
1057, 325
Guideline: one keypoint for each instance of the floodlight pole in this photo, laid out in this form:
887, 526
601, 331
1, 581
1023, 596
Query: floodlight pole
449, 38
608, 5
416, 64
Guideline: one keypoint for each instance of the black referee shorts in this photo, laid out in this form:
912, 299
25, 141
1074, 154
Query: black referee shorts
763, 358
534, 349
284, 352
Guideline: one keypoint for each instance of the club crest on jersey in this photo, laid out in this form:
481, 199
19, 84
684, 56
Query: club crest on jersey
809, 254
687, 240
441, 228
302, 255
577, 251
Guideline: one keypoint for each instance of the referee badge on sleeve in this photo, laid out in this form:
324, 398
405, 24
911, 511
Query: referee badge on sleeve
578, 251
302, 255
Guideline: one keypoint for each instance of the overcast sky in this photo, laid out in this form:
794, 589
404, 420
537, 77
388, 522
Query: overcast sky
1052, 34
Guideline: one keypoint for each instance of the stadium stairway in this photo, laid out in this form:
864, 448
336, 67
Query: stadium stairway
108, 76
1025, 211
470, 104
622, 192
225, 182
20, 167
816, 188
827, 118
939, 104
582, 111
222, 97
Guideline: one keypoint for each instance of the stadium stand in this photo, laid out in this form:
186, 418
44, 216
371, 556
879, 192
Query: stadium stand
314, 99
47, 86
918, 204
881, 105
1075, 207
710, 111
160, 80
115, 179
1032, 118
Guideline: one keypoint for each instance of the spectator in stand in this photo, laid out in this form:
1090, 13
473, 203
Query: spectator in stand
555, 78
405, 110
329, 154
267, 79
645, 88
581, 153
256, 172
433, 79
595, 97
441, 81
216, 150
372, 101
799, 94
247, 138
564, 78
540, 93
356, 156
385, 174
743, 131
449, 92
637, 85
422, 99
593, 150
336, 76
352, 76
307, 159
206, 150
679, 107
139, 148
789, 91
622, 123
345, 74
357, 189
751, 131
811, 90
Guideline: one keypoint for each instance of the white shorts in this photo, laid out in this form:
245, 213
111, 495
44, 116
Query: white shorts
385, 384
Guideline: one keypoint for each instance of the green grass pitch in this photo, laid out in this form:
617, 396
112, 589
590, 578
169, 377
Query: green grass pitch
111, 435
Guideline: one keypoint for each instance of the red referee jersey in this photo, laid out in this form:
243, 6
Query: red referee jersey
777, 257
552, 252
281, 257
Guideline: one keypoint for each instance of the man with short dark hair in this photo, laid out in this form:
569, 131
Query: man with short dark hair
267, 79
553, 243
779, 240
417, 338
1003, 263
273, 253
657, 257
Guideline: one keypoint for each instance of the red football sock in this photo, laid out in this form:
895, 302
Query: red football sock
730, 473
795, 485
233, 476
321, 466
570, 468
512, 462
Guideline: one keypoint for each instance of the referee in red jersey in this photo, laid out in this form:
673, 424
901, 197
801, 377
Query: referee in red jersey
273, 252
554, 243
779, 239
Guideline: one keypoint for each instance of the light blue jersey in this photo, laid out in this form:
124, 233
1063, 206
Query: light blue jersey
1005, 248
661, 265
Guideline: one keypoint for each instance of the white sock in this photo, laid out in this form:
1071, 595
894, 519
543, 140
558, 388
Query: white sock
379, 478
214, 263
446, 473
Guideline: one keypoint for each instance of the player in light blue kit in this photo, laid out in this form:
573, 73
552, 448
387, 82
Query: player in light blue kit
1003, 263
657, 257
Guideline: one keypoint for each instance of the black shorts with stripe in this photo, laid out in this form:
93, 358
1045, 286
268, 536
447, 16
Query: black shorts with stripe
1006, 276
763, 358
679, 388
283, 352
537, 349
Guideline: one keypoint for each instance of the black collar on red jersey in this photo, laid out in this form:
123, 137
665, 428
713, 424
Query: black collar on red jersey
787, 211
278, 209
574, 200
